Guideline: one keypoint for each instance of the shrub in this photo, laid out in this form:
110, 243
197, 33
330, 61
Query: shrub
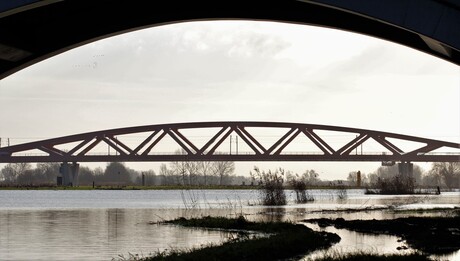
299, 185
271, 184
396, 185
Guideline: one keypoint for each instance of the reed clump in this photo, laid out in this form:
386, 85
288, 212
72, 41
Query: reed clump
369, 256
300, 186
271, 186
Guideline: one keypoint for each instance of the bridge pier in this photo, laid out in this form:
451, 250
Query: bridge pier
406, 170
69, 174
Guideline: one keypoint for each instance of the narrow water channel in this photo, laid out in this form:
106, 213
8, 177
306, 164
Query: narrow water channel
361, 242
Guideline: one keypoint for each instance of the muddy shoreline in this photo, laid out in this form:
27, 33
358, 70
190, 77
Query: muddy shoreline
431, 235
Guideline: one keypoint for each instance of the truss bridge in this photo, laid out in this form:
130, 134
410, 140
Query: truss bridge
234, 141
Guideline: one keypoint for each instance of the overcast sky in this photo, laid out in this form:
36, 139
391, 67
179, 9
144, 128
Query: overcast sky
238, 71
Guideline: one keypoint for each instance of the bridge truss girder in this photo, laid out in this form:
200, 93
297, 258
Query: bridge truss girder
141, 152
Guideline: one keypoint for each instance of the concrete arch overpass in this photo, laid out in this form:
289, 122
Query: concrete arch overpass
34, 30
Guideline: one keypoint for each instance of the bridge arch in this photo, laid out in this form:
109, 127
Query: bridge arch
81, 145
51, 27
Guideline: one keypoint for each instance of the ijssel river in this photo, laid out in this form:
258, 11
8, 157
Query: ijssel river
112, 224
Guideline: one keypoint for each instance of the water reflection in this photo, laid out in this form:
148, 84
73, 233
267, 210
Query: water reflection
34, 225
353, 241
272, 214
92, 234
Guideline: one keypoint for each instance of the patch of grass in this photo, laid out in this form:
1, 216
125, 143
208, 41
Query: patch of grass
286, 240
239, 223
443, 211
362, 256
434, 235
130, 187
44, 187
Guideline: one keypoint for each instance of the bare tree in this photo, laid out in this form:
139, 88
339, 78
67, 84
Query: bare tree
311, 176
47, 172
353, 178
86, 176
167, 175
117, 173
449, 171
395, 180
224, 170
12, 171
180, 169
149, 176
193, 172
205, 168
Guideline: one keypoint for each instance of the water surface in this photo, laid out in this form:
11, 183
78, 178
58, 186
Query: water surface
101, 225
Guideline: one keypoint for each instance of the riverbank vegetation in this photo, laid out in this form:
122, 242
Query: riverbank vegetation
363, 256
432, 235
132, 187
197, 175
389, 180
117, 174
279, 240
300, 186
271, 186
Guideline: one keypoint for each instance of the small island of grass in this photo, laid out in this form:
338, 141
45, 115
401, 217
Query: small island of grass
284, 240
432, 235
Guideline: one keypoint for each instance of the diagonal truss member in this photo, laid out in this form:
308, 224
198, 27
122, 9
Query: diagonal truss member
85, 143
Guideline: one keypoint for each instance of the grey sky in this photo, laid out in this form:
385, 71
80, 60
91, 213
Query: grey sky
235, 70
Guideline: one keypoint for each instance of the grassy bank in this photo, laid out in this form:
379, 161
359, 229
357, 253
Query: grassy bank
156, 187
44, 187
165, 187
373, 257
285, 240
434, 235
132, 187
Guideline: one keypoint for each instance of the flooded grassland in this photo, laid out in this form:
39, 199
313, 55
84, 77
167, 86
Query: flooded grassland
106, 225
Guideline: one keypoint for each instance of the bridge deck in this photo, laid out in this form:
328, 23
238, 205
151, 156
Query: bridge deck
217, 145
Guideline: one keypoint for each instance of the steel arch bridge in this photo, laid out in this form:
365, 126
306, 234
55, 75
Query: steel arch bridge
79, 148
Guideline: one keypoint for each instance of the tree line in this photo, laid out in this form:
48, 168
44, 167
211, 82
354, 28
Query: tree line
441, 174
117, 173
386, 180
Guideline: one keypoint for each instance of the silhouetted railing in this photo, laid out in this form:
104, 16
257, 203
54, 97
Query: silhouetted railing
82, 147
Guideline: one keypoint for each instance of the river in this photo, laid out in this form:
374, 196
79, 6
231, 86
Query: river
114, 224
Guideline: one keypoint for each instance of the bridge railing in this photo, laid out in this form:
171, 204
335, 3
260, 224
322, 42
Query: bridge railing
285, 146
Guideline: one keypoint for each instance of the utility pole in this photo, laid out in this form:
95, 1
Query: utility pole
237, 145
236, 142
230, 144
